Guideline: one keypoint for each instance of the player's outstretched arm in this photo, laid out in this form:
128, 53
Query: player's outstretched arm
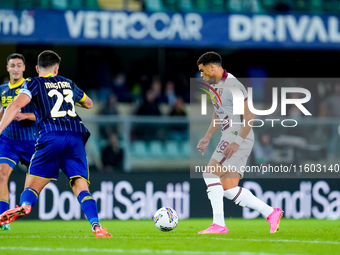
86, 103
204, 142
13, 109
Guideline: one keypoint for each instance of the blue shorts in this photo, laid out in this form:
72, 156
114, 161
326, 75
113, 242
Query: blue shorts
63, 150
13, 151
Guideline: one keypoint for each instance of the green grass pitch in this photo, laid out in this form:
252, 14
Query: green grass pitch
246, 237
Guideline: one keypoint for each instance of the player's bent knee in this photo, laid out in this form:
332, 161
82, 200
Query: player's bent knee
5, 172
238, 195
234, 194
209, 175
229, 194
3, 178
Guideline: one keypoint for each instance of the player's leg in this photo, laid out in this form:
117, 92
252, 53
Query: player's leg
87, 202
28, 198
43, 167
74, 165
243, 197
33, 187
215, 195
88, 205
5, 172
9, 158
33, 184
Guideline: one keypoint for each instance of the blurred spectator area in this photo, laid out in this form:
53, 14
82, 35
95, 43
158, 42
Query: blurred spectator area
128, 108
163, 150
149, 142
238, 6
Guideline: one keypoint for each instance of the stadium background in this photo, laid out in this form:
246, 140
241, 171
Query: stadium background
152, 169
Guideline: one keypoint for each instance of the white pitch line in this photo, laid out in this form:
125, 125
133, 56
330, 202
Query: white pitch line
180, 237
134, 251
279, 240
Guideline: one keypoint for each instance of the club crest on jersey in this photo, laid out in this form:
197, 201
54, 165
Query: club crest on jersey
220, 91
17, 91
213, 97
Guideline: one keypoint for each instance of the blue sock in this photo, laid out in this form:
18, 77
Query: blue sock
29, 196
4, 205
89, 207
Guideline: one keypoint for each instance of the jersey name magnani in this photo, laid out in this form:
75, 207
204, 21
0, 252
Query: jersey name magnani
58, 85
55, 98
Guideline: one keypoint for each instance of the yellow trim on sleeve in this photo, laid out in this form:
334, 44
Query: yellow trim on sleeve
83, 98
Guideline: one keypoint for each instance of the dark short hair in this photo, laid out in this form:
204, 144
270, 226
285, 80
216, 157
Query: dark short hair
48, 58
15, 56
210, 57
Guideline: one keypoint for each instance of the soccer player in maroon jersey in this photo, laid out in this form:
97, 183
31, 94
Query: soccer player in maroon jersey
232, 151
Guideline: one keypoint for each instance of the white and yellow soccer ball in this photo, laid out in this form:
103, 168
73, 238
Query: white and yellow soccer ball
166, 219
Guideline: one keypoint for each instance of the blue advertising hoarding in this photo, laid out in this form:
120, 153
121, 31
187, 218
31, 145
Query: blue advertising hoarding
137, 196
169, 29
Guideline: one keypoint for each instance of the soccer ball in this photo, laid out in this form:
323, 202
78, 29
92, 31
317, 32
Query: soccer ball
165, 219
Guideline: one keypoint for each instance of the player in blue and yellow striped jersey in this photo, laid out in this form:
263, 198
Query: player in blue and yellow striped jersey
18, 139
61, 140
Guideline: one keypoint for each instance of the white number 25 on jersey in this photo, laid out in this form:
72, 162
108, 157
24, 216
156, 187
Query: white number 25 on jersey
67, 97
